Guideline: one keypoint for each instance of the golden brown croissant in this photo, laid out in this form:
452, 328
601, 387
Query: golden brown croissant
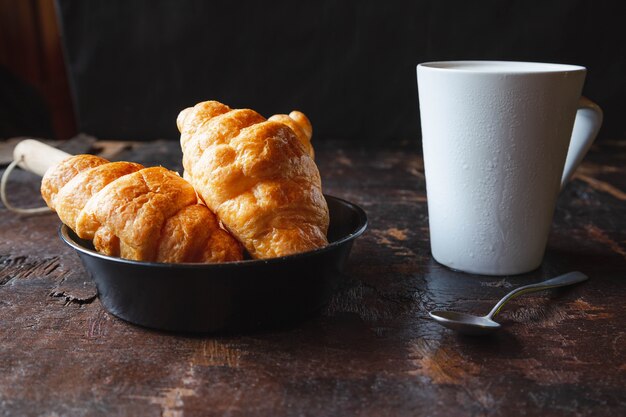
257, 175
145, 214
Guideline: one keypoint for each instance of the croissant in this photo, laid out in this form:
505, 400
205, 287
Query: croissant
257, 175
144, 214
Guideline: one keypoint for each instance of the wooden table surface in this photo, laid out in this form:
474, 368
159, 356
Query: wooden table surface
371, 351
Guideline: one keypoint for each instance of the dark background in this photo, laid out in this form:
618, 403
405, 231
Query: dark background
349, 65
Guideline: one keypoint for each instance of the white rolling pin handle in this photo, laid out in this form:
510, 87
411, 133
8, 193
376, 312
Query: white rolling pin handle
36, 157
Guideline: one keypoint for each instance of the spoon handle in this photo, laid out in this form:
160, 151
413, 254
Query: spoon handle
560, 281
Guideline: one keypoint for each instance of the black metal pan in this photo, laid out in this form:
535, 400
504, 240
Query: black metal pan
233, 296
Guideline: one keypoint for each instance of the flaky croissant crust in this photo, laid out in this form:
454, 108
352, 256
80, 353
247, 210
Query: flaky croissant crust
146, 214
257, 175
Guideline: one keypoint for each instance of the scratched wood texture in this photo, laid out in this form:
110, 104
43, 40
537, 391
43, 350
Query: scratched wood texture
372, 351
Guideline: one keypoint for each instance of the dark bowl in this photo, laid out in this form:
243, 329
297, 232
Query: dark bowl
233, 296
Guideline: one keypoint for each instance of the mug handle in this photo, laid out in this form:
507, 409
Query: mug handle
586, 127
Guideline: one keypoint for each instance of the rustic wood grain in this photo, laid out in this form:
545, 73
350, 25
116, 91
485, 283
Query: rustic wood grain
372, 351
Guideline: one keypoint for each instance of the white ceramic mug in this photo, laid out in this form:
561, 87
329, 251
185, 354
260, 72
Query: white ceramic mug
495, 140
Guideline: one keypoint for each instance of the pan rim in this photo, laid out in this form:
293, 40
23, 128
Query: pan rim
64, 231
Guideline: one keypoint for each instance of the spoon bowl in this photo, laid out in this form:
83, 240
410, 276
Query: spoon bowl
480, 325
464, 323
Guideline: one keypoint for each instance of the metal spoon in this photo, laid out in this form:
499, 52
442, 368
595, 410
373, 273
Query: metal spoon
475, 325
